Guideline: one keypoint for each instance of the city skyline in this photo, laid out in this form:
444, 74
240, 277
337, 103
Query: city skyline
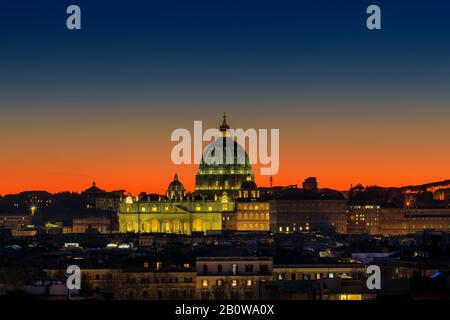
77, 182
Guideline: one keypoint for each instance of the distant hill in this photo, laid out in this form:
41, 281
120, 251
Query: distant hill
443, 184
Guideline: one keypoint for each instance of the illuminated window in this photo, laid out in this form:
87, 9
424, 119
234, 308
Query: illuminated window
198, 208
205, 283
154, 208
234, 283
219, 283
209, 208
249, 283
331, 275
350, 297
143, 209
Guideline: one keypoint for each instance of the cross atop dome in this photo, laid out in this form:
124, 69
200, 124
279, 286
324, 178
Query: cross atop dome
224, 126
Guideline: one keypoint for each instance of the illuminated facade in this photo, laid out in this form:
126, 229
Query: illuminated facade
182, 216
217, 185
249, 216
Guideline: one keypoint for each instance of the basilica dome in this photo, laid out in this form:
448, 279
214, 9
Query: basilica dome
223, 172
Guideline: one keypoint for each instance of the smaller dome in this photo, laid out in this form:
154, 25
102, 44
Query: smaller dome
176, 185
248, 185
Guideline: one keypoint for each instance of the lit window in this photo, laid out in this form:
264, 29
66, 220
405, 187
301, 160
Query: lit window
235, 268
154, 209
234, 283
331, 275
249, 283
143, 209
219, 283
350, 297
205, 283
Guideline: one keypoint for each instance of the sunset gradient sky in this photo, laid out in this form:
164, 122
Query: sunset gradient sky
352, 105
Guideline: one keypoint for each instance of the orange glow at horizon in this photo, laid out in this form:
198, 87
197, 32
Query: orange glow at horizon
66, 154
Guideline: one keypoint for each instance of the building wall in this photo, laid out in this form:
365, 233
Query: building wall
120, 284
365, 219
317, 272
232, 278
15, 222
189, 284
396, 221
101, 224
249, 216
290, 216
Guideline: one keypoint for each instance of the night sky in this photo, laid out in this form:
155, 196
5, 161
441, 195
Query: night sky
352, 105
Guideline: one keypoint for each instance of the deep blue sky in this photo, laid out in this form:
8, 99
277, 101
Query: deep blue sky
165, 51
